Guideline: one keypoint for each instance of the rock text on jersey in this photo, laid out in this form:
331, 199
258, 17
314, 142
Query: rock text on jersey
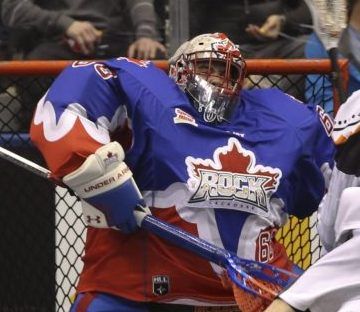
227, 185
230, 178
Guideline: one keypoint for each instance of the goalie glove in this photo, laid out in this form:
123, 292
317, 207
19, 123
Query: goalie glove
107, 189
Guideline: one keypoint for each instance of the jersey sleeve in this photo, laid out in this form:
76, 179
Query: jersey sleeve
77, 115
308, 181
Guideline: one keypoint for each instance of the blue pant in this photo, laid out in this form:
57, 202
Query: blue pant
99, 302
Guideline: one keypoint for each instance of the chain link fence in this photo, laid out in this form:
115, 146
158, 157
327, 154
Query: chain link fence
43, 234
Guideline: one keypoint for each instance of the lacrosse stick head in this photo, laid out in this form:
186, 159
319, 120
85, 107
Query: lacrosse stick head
259, 279
329, 19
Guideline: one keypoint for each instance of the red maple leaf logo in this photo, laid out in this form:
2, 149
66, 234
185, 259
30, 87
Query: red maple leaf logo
232, 175
238, 160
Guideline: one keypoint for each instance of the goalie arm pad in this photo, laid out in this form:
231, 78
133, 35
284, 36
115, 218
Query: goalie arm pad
107, 189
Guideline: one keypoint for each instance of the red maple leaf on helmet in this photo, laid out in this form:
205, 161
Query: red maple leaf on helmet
225, 45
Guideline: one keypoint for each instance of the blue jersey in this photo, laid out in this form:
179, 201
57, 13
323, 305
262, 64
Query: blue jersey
233, 184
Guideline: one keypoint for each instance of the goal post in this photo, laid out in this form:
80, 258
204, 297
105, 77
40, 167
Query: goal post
43, 235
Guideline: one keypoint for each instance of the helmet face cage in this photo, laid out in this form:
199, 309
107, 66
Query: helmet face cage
214, 92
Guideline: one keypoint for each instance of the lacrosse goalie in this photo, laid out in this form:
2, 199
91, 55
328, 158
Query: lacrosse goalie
226, 165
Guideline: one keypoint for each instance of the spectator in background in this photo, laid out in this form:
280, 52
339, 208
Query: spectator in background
272, 28
263, 29
4, 42
82, 29
77, 29
5, 53
7, 121
349, 47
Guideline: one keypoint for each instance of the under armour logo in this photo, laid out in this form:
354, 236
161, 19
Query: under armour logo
91, 220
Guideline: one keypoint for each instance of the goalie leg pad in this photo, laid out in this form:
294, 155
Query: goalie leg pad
105, 182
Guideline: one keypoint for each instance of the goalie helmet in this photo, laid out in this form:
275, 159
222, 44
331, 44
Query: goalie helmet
211, 70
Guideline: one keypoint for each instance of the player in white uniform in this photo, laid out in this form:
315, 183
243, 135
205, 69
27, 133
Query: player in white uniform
333, 282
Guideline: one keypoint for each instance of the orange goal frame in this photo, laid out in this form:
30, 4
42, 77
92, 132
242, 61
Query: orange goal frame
254, 66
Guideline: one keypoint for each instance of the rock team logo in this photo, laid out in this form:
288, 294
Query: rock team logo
232, 180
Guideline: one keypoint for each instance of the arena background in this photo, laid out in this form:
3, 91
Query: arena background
42, 230
42, 235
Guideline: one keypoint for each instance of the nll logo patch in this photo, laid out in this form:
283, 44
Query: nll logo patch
161, 285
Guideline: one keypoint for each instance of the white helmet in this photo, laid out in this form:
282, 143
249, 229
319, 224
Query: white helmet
215, 101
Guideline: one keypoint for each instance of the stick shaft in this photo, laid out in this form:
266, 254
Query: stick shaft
185, 240
148, 222
336, 75
24, 163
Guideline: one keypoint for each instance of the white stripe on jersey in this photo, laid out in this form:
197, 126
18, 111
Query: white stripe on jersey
55, 130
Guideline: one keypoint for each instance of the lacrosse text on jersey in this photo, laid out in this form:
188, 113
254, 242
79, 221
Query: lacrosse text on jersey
232, 180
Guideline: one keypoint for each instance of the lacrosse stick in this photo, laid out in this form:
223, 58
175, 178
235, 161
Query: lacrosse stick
329, 19
243, 272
